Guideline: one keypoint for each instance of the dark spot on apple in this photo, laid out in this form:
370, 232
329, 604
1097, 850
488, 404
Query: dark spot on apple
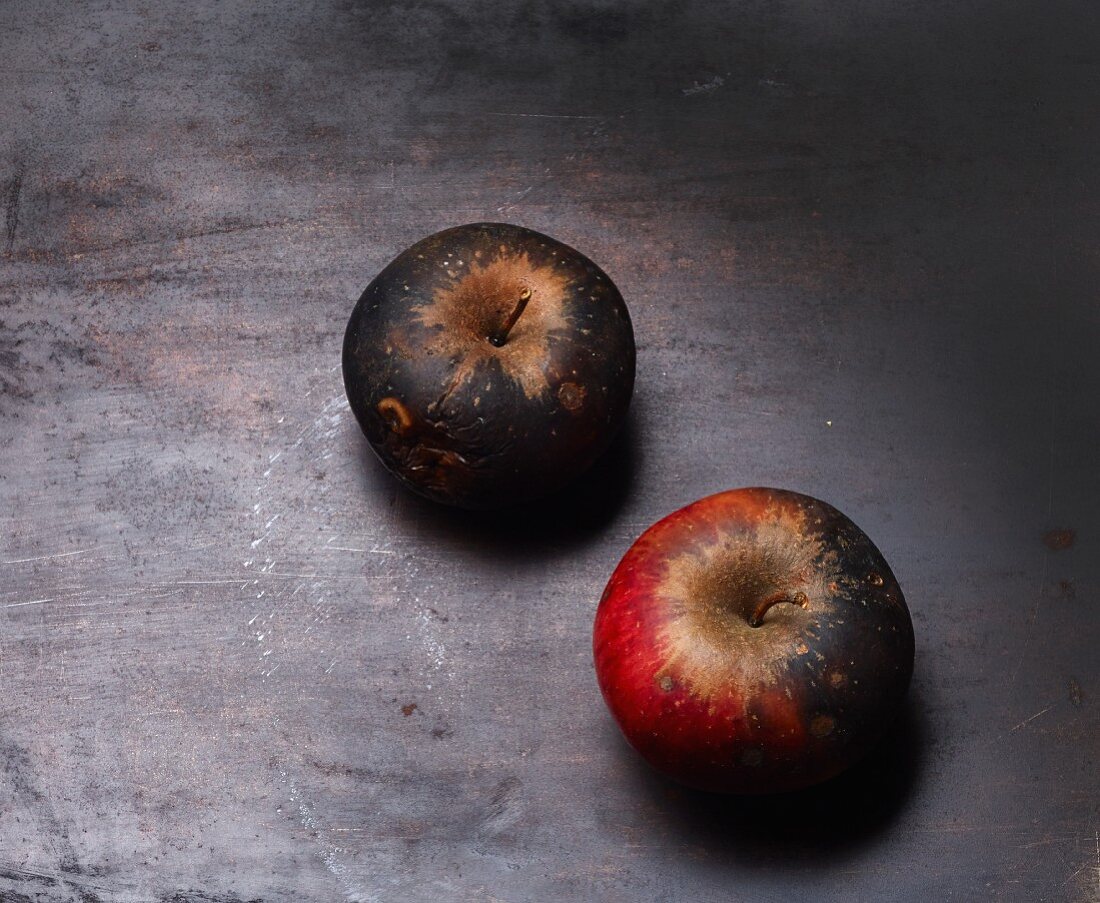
408, 708
752, 757
1057, 540
875, 579
1076, 694
665, 682
822, 725
837, 679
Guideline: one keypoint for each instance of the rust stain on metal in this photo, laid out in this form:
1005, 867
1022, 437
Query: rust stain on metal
1057, 540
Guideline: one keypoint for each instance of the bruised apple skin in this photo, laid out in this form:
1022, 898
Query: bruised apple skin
489, 364
755, 641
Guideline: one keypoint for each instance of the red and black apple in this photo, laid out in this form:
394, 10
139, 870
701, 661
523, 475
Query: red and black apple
489, 364
754, 641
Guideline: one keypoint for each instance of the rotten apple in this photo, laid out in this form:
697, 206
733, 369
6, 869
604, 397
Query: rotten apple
754, 641
489, 364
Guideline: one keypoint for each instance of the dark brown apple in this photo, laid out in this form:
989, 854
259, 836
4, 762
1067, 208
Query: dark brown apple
489, 364
754, 641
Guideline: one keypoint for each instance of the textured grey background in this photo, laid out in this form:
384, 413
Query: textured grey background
861, 244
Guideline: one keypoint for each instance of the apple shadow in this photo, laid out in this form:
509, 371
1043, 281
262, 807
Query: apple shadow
569, 517
818, 824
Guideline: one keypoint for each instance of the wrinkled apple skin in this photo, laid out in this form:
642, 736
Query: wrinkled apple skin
721, 705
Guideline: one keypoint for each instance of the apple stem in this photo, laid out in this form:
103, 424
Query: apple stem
799, 599
499, 337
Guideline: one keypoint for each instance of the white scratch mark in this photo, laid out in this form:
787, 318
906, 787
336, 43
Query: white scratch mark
1029, 720
437, 652
519, 197
1098, 864
21, 604
328, 852
543, 115
199, 582
51, 557
706, 87
312, 441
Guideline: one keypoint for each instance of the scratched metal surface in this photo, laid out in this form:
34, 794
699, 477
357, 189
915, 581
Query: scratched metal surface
860, 242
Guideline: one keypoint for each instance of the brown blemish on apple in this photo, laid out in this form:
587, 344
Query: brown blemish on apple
398, 341
837, 679
440, 469
874, 579
470, 309
822, 725
714, 591
571, 396
396, 415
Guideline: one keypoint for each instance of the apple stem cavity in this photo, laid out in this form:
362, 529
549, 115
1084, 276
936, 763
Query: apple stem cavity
499, 337
799, 599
